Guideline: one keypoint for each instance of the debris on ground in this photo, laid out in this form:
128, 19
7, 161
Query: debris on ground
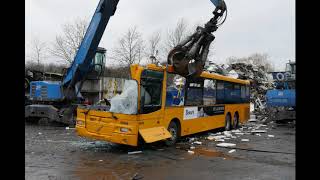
197, 142
245, 140
134, 152
231, 151
39, 133
219, 140
137, 177
236, 131
210, 137
192, 147
190, 152
226, 145
270, 135
239, 133
258, 131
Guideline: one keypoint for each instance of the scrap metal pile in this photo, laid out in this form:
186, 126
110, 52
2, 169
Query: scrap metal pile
260, 81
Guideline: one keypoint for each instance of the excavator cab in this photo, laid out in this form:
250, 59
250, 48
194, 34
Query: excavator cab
98, 64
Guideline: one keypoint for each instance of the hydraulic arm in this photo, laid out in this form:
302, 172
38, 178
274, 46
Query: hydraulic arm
80, 67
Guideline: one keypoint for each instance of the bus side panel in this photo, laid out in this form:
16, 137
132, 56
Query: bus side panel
150, 120
242, 109
171, 113
245, 115
193, 125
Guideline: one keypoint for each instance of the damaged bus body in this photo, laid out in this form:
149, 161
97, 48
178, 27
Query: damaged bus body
157, 104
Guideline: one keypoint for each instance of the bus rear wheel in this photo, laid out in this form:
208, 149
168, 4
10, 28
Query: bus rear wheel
228, 122
174, 131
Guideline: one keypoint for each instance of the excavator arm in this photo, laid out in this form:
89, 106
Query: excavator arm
189, 56
80, 67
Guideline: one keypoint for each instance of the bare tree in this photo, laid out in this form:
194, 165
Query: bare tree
130, 48
38, 51
153, 46
176, 35
66, 44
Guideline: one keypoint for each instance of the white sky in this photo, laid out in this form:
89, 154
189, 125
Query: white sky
263, 26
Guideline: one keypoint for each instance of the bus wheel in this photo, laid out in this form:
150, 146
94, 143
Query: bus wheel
228, 122
174, 131
235, 121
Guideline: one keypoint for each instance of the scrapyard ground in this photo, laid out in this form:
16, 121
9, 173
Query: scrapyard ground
58, 153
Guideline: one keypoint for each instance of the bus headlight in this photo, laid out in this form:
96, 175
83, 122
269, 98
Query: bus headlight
124, 129
80, 123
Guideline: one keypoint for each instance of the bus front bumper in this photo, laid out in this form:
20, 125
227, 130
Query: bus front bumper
118, 138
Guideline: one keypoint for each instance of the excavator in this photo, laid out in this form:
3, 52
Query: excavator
57, 101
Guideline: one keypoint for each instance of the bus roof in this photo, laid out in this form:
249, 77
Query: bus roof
223, 78
205, 74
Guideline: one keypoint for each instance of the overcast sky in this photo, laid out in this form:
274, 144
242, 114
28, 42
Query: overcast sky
262, 26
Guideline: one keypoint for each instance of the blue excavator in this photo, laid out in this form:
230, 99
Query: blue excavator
56, 101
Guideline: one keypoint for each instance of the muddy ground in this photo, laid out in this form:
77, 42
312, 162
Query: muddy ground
58, 153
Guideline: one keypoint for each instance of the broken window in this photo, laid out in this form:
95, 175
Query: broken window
127, 101
209, 92
151, 90
175, 90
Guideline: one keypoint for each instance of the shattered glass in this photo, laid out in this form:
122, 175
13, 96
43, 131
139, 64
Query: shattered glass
127, 101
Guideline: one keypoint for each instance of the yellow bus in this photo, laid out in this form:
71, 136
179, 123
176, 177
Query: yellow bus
157, 104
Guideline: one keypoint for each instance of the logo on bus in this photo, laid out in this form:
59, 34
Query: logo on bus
190, 113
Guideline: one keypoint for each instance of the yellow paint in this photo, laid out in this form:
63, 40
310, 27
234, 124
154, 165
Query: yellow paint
106, 126
154, 134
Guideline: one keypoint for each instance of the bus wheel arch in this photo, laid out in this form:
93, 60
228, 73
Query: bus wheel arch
236, 120
174, 128
228, 121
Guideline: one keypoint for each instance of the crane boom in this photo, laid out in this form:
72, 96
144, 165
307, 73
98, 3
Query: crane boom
81, 64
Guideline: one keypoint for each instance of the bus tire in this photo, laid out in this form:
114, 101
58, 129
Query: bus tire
236, 120
173, 128
227, 126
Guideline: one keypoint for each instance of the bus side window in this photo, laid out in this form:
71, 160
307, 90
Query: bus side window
243, 94
209, 92
175, 90
194, 93
220, 92
236, 93
228, 92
